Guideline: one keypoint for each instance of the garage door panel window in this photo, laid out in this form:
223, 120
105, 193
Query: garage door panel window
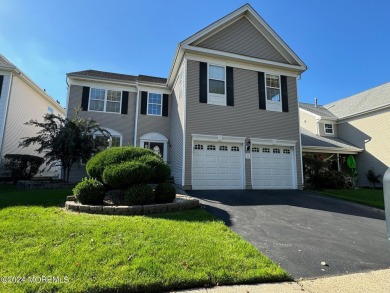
235, 149
286, 151
255, 150
211, 147
276, 151
198, 147
223, 148
266, 150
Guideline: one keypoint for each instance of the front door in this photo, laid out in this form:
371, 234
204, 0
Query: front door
157, 147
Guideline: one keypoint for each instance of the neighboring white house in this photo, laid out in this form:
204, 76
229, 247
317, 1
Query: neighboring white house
20, 101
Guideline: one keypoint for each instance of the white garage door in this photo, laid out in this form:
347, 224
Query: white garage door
217, 166
272, 167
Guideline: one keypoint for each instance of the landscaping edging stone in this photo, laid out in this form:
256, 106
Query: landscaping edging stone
182, 202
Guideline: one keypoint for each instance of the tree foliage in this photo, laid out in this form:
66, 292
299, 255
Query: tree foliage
373, 178
65, 139
22, 167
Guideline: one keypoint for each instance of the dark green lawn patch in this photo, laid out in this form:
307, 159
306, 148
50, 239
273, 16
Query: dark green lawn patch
370, 197
98, 253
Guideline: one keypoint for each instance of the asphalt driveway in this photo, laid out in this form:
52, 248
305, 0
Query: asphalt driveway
301, 229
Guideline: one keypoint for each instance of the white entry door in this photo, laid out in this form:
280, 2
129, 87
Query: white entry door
272, 167
217, 166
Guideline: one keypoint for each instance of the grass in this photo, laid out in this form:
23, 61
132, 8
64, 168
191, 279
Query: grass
370, 197
98, 253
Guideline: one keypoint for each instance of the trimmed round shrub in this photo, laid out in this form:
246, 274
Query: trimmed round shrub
161, 171
139, 194
165, 193
113, 156
126, 174
89, 191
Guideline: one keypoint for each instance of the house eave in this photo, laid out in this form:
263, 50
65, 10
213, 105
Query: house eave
364, 112
317, 149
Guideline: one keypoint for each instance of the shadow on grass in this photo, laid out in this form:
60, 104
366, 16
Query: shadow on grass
10, 196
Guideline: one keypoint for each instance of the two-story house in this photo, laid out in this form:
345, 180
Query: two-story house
21, 100
225, 118
357, 125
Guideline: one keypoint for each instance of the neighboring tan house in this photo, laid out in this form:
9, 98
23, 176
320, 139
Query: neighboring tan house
20, 101
357, 125
225, 118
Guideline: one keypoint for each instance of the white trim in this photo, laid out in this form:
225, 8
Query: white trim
317, 149
185, 121
93, 83
155, 137
300, 142
11, 77
241, 64
218, 138
237, 57
136, 118
147, 104
154, 89
271, 142
270, 104
340, 119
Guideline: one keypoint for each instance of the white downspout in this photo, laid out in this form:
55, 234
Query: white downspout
6, 113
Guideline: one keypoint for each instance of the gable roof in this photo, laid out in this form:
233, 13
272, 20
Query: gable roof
319, 110
117, 76
4, 62
311, 140
369, 100
190, 44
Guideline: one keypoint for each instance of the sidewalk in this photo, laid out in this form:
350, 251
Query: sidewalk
374, 281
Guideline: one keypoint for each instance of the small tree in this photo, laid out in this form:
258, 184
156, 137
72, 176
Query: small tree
65, 139
372, 177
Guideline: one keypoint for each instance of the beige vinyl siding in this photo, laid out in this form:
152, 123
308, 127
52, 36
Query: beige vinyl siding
177, 132
243, 38
245, 119
124, 124
3, 105
25, 104
369, 132
308, 121
322, 132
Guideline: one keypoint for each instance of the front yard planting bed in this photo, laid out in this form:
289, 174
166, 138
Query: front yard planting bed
103, 253
370, 197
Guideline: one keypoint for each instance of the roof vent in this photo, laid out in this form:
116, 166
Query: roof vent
315, 102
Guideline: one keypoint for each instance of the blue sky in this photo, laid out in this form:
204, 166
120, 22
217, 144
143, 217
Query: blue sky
344, 43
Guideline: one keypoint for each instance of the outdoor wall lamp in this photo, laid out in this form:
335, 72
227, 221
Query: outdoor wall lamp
248, 145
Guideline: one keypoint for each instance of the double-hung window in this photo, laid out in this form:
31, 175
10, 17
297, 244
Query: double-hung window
216, 85
273, 92
154, 104
103, 140
105, 100
329, 128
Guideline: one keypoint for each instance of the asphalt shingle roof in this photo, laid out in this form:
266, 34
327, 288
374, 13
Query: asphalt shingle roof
118, 76
319, 110
310, 139
368, 100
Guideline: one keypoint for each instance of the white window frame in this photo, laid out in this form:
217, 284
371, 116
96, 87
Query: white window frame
216, 99
273, 105
105, 100
331, 128
147, 104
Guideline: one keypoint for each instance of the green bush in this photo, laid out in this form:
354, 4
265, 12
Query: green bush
126, 174
113, 156
89, 191
139, 194
165, 193
161, 171
22, 167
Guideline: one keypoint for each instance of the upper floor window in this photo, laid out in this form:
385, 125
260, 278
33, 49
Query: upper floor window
154, 104
329, 128
216, 85
115, 140
273, 92
105, 100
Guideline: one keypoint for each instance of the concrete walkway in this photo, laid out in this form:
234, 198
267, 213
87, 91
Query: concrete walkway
374, 281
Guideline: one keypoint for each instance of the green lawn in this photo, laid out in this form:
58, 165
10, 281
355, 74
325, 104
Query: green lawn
97, 253
370, 197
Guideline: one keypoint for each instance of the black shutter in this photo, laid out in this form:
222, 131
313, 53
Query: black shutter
144, 102
85, 98
1, 83
125, 102
203, 82
261, 90
165, 105
229, 86
283, 81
